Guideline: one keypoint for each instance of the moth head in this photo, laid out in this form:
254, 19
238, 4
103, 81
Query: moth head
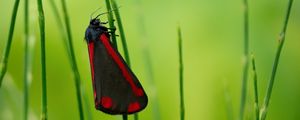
95, 22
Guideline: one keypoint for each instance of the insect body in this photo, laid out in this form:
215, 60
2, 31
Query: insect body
116, 88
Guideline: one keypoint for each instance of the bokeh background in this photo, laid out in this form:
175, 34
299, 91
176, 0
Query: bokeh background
212, 52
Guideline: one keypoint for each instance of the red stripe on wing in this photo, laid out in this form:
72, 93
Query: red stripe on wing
137, 91
91, 55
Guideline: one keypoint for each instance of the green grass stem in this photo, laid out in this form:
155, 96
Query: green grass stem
43, 59
125, 117
136, 116
121, 30
60, 24
245, 62
74, 63
256, 104
182, 110
111, 24
123, 39
113, 36
3, 64
276, 62
87, 105
26, 59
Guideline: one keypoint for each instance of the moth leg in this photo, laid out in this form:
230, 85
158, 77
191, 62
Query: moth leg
110, 32
112, 29
104, 22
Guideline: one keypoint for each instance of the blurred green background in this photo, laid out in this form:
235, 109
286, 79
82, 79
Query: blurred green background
212, 50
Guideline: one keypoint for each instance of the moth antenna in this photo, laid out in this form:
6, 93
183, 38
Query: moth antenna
91, 16
107, 12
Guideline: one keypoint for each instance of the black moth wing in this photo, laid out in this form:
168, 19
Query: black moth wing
113, 93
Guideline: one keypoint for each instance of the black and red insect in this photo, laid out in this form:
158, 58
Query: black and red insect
116, 89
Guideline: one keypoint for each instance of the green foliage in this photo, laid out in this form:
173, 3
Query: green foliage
3, 64
211, 52
43, 59
246, 60
182, 110
281, 41
27, 60
256, 104
111, 23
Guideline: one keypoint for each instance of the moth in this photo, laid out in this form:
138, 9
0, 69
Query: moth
117, 90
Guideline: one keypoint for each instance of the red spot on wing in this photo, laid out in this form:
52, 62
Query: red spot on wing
91, 55
137, 91
135, 106
106, 102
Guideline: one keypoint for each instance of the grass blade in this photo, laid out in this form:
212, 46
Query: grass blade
246, 59
111, 24
256, 104
124, 44
61, 26
276, 62
113, 38
3, 64
122, 34
74, 64
43, 59
125, 117
182, 111
26, 59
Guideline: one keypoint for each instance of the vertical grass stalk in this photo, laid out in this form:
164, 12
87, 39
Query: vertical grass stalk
74, 64
122, 34
60, 24
3, 64
66, 44
245, 62
111, 24
123, 39
256, 104
113, 36
26, 59
125, 117
276, 62
182, 113
43, 59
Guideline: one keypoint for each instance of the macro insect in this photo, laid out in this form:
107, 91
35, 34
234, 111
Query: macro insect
116, 88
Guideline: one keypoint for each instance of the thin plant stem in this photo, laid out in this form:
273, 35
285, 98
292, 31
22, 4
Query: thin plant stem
125, 117
122, 34
124, 44
3, 64
276, 62
113, 34
74, 64
87, 104
111, 24
182, 110
66, 44
246, 59
136, 116
26, 59
43, 59
256, 104
60, 24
